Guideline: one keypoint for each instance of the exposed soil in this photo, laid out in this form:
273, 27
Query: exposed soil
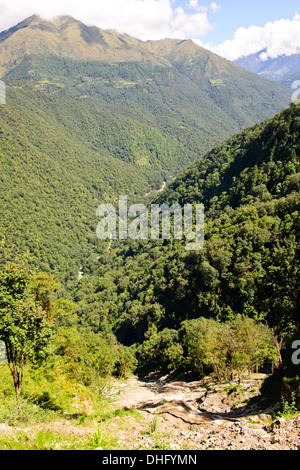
201, 415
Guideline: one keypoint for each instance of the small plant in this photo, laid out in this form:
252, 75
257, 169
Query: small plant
288, 408
153, 425
162, 445
102, 440
82, 418
234, 389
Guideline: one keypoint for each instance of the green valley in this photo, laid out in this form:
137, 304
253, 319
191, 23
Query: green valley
92, 115
249, 188
91, 119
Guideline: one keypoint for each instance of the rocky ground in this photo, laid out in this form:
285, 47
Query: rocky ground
201, 416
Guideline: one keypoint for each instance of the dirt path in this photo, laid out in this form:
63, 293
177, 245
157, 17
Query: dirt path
201, 415
138, 393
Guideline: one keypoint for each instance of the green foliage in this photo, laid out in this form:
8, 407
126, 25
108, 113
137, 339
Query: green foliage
31, 413
160, 350
227, 348
76, 133
39, 441
89, 357
154, 423
205, 346
69, 381
52, 182
36, 326
24, 326
288, 408
249, 264
2, 352
150, 111
102, 440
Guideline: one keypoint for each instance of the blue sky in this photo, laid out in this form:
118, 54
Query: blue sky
230, 28
240, 13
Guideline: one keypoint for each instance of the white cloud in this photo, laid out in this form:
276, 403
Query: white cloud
195, 5
282, 37
145, 19
215, 7
158, 19
186, 25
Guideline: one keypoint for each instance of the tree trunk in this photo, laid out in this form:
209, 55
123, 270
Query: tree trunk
17, 384
18, 396
17, 375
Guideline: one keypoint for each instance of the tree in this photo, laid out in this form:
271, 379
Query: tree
252, 343
237, 346
24, 327
43, 286
204, 346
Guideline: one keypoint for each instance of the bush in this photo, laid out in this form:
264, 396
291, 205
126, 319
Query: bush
204, 346
242, 345
161, 350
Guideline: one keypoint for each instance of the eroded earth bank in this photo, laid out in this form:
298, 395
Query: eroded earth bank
201, 416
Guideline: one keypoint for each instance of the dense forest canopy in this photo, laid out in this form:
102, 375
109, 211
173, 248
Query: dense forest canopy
249, 265
121, 117
112, 116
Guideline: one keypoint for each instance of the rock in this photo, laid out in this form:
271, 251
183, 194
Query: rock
214, 418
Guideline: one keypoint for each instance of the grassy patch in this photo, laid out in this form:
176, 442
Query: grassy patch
42, 440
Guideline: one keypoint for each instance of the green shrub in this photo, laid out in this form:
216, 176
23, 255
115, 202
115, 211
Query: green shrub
242, 345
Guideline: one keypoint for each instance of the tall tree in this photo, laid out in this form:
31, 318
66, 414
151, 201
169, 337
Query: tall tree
24, 326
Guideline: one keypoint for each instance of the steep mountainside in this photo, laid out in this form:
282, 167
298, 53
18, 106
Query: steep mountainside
92, 114
67, 37
176, 86
52, 183
249, 265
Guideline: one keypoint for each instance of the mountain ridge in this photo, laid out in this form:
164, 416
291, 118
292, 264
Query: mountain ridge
123, 125
282, 69
66, 36
227, 86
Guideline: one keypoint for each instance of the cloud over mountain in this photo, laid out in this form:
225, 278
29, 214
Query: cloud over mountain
144, 19
281, 37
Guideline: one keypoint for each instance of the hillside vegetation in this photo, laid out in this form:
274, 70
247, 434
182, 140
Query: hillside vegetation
92, 115
52, 183
148, 290
152, 306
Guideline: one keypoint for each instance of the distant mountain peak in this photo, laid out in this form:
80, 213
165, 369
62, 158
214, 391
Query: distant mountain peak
55, 20
53, 24
66, 36
283, 69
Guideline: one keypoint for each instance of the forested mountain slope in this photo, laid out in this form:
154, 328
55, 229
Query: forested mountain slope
188, 98
92, 114
249, 265
176, 82
51, 183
